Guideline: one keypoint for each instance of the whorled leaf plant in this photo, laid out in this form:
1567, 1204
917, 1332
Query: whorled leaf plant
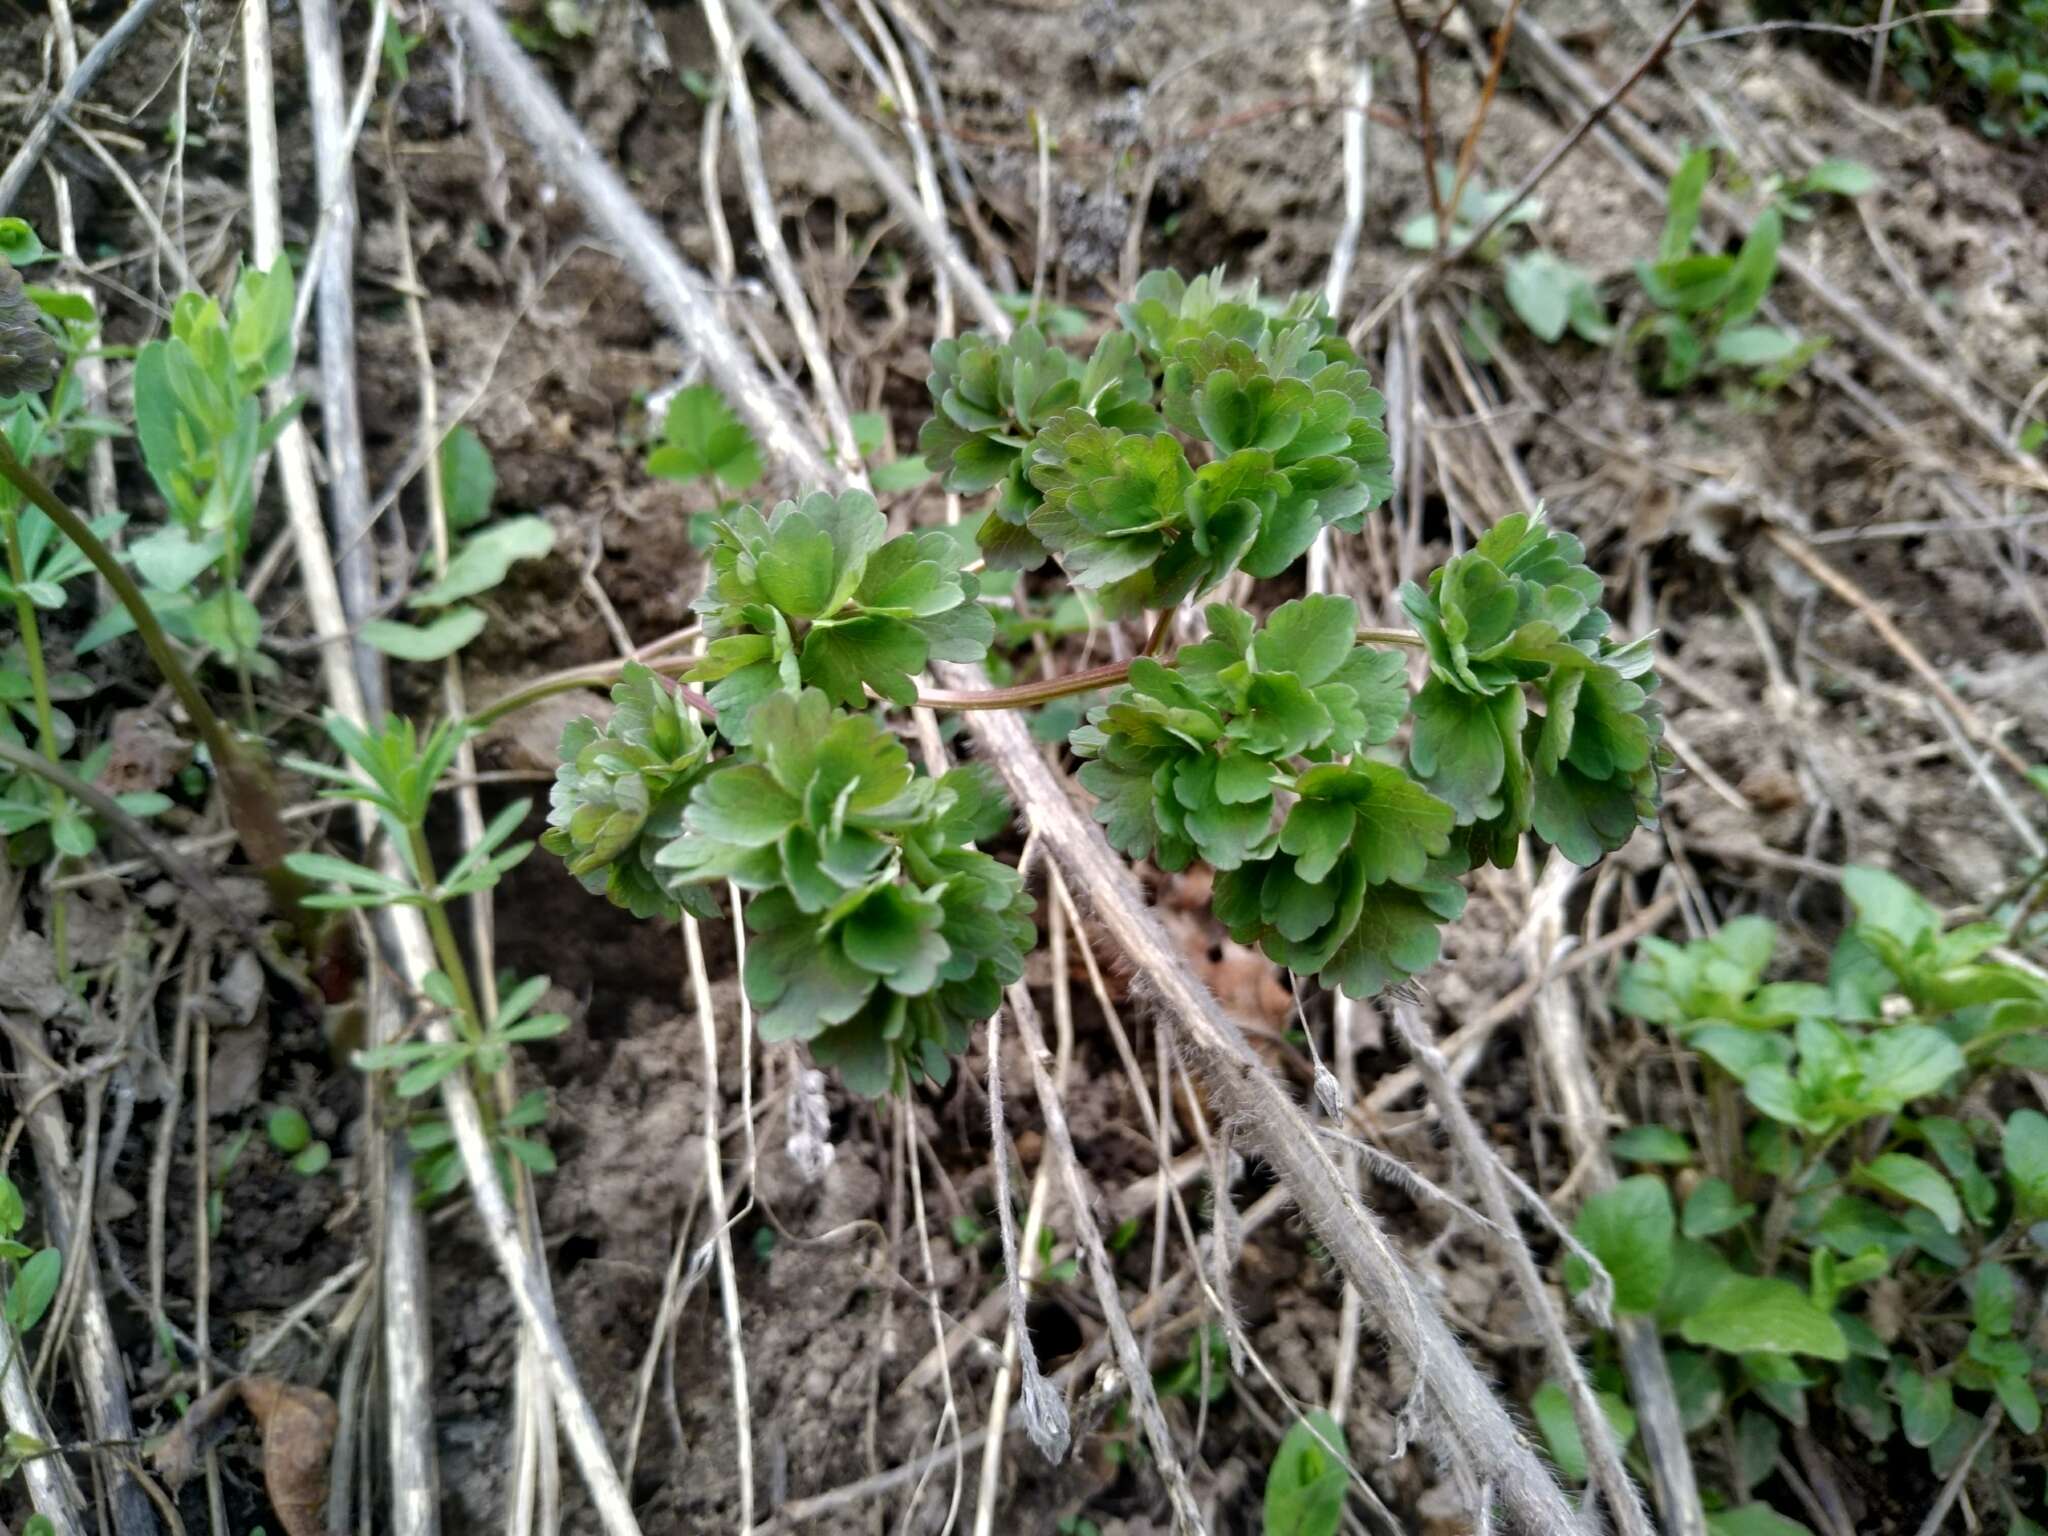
1213, 432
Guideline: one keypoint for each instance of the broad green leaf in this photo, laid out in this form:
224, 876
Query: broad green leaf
482, 560
1926, 1403
1754, 346
312, 1159
468, 479
1845, 178
1629, 1230
432, 641
12, 1213
1539, 288
1712, 1208
1912, 1179
899, 475
1755, 265
702, 437
19, 245
1993, 1299
170, 559
34, 1288
1754, 1520
288, 1130
1651, 1144
1746, 1316
1906, 1062
1682, 217
1552, 1409
1886, 903
2025, 1148
1310, 637
1306, 1484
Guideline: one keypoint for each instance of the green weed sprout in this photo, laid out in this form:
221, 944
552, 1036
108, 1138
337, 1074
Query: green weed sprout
1863, 1226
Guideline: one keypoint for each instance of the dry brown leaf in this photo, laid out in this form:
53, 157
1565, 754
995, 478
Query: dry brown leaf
297, 1425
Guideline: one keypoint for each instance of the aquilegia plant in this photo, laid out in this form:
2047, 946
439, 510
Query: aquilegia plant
1211, 433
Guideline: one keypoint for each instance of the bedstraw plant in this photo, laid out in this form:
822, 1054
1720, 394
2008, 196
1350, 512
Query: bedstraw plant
1213, 433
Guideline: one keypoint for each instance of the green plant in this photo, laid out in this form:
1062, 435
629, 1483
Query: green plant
31, 1273
397, 773
1306, 1484
1706, 301
201, 431
1203, 1374
1864, 1226
1988, 64
200, 421
481, 554
1212, 433
292, 1136
1548, 294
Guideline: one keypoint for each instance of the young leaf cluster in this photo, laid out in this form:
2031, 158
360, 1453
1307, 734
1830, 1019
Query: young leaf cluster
1352, 879
1519, 615
880, 935
1212, 433
200, 420
619, 794
1707, 301
816, 595
1871, 1236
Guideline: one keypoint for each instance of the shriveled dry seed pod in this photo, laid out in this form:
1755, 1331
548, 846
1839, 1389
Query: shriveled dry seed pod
28, 354
297, 1425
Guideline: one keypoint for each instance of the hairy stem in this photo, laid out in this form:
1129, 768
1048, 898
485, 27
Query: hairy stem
245, 776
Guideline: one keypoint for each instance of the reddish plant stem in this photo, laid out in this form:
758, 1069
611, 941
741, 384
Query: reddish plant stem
1160, 630
1418, 47
1469, 150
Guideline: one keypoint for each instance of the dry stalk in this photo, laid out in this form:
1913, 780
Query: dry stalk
408, 1354
1102, 1272
714, 1184
746, 139
334, 304
1344, 253
1045, 1415
1562, 1048
98, 1376
1603, 1452
818, 99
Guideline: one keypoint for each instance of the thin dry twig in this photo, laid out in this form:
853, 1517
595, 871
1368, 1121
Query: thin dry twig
1137, 1374
746, 138
721, 1237
1603, 1452
1875, 615
1562, 1048
818, 99
81, 80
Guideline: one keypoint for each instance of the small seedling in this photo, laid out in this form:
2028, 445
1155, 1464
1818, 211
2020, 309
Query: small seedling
1306, 1484
291, 1135
1548, 294
1707, 301
398, 774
